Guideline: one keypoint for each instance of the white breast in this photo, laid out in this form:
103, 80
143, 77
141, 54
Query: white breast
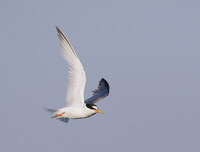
76, 112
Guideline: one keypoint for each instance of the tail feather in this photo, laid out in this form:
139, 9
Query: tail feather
51, 111
53, 115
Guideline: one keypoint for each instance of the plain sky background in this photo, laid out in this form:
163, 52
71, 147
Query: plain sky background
148, 51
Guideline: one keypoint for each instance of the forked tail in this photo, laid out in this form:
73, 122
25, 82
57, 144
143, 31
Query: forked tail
53, 115
51, 111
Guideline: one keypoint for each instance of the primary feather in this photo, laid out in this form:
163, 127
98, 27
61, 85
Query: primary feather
101, 92
76, 76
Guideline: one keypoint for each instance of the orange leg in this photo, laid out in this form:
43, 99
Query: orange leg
60, 114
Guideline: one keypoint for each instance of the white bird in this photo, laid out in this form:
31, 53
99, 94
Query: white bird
76, 107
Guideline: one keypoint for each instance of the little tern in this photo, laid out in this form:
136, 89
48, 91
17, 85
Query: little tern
76, 106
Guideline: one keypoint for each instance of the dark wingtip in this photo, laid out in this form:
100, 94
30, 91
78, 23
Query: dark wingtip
104, 82
61, 35
59, 31
57, 28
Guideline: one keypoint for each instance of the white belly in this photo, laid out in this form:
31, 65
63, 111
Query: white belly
76, 112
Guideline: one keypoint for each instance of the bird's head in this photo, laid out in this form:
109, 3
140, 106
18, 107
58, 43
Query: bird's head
94, 107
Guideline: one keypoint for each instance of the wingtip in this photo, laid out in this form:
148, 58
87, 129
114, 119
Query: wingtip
105, 83
62, 37
102, 79
58, 30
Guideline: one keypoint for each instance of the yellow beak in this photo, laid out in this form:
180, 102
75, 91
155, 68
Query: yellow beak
99, 111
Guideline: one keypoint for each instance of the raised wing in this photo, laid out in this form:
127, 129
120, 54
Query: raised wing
76, 76
101, 92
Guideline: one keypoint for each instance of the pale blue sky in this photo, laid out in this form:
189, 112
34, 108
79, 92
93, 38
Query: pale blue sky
148, 51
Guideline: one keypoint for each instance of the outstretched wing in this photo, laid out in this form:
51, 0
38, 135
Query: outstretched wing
101, 92
76, 76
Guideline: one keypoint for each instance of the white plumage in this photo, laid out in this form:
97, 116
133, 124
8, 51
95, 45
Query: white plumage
76, 108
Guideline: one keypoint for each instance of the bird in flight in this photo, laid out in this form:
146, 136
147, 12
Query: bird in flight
76, 106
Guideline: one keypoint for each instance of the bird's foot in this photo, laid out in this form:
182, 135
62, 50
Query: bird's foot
59, 115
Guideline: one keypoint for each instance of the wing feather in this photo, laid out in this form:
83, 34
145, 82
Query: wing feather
101, 92
76, 75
